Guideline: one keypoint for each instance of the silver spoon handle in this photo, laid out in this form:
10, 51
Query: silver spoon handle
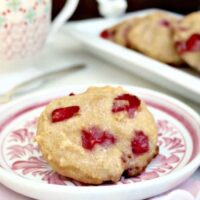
8, 95
50, 74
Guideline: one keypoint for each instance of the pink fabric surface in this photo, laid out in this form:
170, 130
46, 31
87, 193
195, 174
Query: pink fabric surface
190, 190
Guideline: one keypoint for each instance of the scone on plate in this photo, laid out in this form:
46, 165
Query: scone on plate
98, 135
153, 36
187, 39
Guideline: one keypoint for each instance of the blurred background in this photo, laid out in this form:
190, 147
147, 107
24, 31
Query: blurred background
88, 8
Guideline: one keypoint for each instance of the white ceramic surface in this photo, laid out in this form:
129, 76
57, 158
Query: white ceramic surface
182, 81
23, 169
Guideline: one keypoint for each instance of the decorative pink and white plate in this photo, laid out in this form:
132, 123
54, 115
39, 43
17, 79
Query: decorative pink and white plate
23, 169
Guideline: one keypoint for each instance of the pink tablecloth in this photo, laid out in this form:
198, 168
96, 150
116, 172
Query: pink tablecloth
190, 190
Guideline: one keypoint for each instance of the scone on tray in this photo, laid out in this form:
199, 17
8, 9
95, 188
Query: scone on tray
97, 135
162, 36
187, 39
153, 36
122, 32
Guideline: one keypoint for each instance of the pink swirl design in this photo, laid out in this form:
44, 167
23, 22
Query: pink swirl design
25, 159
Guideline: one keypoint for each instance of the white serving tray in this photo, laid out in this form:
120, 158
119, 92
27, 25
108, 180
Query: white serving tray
182, 81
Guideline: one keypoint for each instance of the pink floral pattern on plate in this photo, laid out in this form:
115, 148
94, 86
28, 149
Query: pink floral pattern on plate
172, 149
21, 154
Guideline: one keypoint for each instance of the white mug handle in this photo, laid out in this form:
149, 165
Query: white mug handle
67, 11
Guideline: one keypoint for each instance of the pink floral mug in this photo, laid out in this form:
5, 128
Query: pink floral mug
25, 25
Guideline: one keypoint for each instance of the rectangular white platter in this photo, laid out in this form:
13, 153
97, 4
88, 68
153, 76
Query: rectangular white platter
182, 81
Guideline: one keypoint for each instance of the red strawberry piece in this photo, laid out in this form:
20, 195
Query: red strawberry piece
126, 102
192, 44
140, 143
165, 23
61, 114
95, 135
181, 47
107, 34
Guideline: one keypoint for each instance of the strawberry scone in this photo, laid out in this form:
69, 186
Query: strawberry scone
98, 135
153, 36
187, 39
